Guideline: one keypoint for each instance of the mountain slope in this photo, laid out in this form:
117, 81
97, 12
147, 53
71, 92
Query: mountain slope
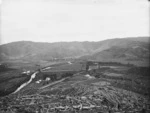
127, 49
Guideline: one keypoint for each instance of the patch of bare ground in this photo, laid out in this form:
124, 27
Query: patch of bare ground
80, 97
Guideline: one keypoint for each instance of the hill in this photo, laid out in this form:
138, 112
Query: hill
125, 49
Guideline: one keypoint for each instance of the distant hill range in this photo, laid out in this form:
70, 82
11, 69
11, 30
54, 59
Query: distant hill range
128, 50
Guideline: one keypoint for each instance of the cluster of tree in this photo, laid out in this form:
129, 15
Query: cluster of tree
56, 76
68, 74
3, 67
144, 71
52, 77
108, 63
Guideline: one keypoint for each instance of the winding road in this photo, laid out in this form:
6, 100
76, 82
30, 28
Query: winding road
26, 83
32, 77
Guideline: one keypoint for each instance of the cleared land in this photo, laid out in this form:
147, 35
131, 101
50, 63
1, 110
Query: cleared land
70, 90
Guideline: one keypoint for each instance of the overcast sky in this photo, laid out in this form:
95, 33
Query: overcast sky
72, 20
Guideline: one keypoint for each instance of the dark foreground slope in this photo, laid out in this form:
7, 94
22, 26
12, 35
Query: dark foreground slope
110, 89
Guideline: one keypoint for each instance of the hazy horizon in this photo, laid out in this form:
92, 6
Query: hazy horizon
73, 20
74, 41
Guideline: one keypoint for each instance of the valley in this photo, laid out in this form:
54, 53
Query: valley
110, 76
67, 87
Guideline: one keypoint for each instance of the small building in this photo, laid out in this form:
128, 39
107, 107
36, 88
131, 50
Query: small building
39, 81
26, 72
47, 79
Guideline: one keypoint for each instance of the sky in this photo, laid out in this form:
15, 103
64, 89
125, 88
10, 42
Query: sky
72, 20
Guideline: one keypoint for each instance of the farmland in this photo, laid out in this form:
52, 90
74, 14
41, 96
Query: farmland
111, 88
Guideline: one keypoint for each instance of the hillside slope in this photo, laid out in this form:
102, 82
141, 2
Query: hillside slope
130, 49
